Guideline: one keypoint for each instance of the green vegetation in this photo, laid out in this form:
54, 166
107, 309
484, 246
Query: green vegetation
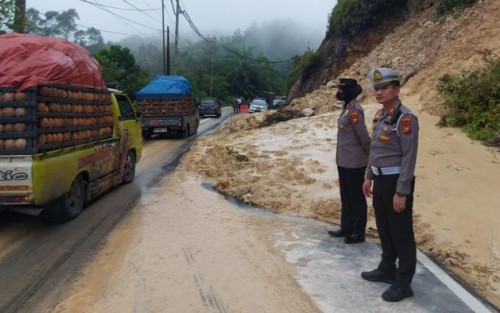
6, 15
221, 71
303, 66
119, 67
473, 100
445, 7
63, 25
350, 17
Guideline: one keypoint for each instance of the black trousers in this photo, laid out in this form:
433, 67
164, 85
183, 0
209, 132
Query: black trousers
395, 229
354, 208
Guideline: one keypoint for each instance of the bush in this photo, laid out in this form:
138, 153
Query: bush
473, 100
303, 66
350, 17
445, 7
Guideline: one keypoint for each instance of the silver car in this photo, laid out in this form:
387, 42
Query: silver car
257, 105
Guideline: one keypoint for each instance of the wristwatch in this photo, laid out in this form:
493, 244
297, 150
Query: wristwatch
400, 194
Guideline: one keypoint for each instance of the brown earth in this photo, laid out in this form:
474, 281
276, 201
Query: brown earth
290, 166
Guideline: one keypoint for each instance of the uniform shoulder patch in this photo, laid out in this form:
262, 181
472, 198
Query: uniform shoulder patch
406, 124
354, 117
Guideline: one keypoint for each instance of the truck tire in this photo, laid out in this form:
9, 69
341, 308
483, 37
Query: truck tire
146, 134
129, 170
68, 206
186, 132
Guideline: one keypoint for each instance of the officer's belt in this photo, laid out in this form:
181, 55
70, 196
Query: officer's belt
377, 171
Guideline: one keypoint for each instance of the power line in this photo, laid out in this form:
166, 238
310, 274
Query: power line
181, 11
117, 8
168, 15
112, 32
195, 29
99, 6
140, 10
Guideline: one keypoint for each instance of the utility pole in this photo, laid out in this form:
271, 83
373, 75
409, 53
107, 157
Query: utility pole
176, 48
212, 50
163, 32
20, 16
168, 50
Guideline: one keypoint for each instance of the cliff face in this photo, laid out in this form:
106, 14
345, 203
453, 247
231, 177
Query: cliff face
422, 48
337, 54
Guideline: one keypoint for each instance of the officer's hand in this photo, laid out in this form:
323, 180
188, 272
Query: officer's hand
367, 188
398, 203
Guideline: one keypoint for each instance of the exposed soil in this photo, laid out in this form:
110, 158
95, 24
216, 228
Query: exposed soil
290, 166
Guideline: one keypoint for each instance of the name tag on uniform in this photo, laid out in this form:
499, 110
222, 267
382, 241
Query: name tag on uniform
384, 137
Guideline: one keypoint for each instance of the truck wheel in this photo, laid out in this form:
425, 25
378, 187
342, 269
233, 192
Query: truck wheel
68, 206
185, 133
146, 134
129, 170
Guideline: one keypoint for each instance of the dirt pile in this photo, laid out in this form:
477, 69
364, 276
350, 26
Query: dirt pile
290, 166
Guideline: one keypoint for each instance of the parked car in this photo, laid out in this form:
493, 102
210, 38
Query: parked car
277, 103
210, 106
257, 105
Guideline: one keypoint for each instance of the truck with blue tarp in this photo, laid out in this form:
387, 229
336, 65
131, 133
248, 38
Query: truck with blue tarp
168, 106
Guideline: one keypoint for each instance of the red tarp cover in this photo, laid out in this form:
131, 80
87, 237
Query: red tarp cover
27, 60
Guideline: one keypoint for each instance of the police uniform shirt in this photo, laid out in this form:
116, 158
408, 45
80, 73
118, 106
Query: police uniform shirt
353, 141
395, 145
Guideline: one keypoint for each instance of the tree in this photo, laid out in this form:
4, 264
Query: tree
20, 16
248, 74
90, 38
55, 24
118, 66
7, 10
63, 25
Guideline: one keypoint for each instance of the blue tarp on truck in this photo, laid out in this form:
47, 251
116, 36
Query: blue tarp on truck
165, 87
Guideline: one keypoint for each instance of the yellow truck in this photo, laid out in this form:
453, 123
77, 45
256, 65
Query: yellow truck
54, 178
65, 138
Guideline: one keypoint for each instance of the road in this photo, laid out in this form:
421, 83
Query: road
169, 243
35, 257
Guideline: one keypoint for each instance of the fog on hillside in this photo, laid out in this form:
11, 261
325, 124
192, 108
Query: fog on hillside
277, 40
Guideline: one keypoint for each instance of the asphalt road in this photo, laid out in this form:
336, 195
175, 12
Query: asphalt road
35, 258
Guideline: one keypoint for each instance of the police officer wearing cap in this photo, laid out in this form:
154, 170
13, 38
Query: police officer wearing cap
353, 147
391, 166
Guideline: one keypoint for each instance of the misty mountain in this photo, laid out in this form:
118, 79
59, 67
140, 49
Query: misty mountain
277, 40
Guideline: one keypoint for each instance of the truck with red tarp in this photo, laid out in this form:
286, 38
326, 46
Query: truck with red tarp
65, 138
167, 106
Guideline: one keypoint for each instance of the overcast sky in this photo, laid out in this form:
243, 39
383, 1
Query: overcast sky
117, 19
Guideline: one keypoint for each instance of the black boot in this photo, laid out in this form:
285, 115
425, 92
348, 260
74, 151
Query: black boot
338, 233
378, 276
354, 239
397, 292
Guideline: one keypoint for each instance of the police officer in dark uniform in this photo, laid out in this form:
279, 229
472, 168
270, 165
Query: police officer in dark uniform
353, 147
391, 166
